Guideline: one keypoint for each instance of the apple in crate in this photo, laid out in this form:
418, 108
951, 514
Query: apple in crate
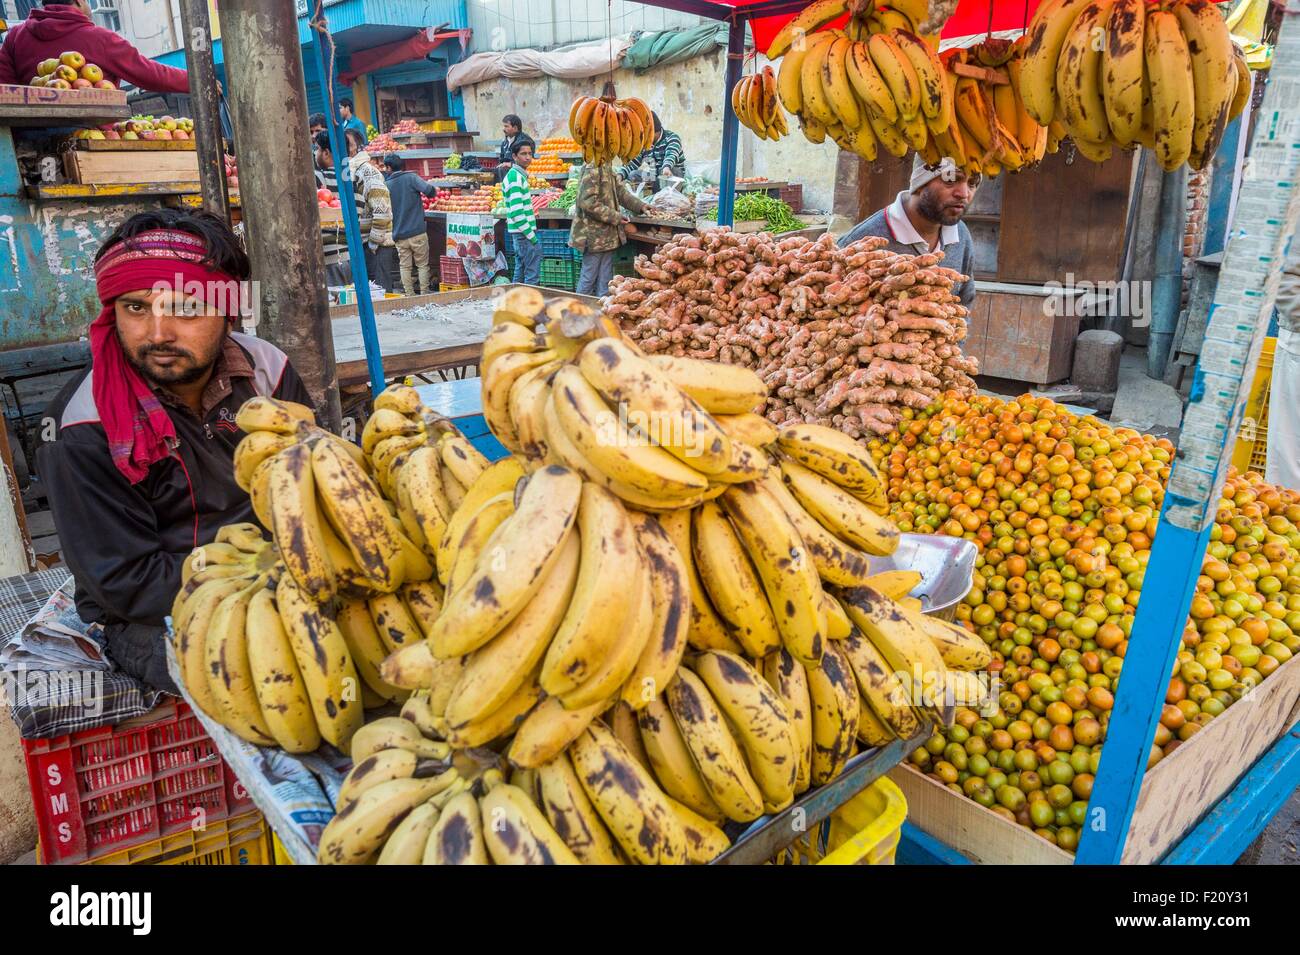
180, 134
162, 134
72, 59
131, 134
58, 83
38, 81
112, 134
81, 83
92, 72
105, 85
47, 67
65, 72
167, 122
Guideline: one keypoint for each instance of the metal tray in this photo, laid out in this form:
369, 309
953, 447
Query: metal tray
946, 566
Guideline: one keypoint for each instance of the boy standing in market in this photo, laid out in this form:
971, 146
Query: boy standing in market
599, 226
409, 230
350, 120
521, 222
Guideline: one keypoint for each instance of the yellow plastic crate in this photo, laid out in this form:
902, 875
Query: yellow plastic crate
864, 831
242, 840
1252, 441
443, 287
441, 126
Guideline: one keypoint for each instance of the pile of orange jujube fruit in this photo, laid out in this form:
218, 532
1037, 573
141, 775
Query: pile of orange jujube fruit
1063, 510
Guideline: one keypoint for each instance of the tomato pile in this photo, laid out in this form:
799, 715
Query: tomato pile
1063, 510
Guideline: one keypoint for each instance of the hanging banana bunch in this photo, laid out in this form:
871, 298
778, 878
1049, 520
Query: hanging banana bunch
755, 103
877, 85
1122, 74
608, 128
991, 130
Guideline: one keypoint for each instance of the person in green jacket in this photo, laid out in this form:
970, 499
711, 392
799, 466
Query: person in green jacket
599, 226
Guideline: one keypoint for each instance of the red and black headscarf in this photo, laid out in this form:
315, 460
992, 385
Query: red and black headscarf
140, 432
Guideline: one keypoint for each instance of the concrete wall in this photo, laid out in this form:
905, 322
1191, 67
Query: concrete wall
152, 26
546, 24
688, 98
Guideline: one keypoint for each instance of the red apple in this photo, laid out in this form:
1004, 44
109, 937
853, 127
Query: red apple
162, 134
72, 59
81, 83
148, 134
112, 134
105, 85
180, 134
92, 72
46, 67
58, 84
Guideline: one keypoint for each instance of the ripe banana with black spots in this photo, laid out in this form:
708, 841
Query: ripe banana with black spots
790, 681
1047, 34
1122, 68
719, 389
788, 573
1079, 74
393, 732
407, 844
909, 652
844, 515
636, 812
714, 749
1213, 74
572, 815
548, 730
731, 582
324, 662
457, 836
958, 647
836, 562
880, 687
669, 579
526, 547
706, 630
1173, 95
671, 762
759, 720
835, 456
834, 698
230, 679
385, 765
358, 831
281, 692
517, 833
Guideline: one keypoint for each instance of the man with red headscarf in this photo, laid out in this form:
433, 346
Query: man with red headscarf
141, 470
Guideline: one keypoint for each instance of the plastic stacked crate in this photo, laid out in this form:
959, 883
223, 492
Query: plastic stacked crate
1251, 453
624, 259
426, 167
555, 243
101, 791
508, 246
240, 840
451, 271
559, 273
864, 831
488, 163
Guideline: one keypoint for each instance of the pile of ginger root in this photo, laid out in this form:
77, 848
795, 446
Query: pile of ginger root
845, 337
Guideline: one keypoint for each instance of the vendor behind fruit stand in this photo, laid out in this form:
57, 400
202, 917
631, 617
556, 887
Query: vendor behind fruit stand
512, 128
927, 218
140, 471
599, 227
665, 155
60, 28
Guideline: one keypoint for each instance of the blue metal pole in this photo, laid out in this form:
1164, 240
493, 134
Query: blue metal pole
351, 224
1223, 175
730, 124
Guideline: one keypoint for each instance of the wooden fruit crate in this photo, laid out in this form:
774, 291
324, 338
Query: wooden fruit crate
87, 167
1174, 796
136, 145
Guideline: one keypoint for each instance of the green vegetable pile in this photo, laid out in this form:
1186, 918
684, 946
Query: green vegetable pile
567, 198
452, 161
751, 206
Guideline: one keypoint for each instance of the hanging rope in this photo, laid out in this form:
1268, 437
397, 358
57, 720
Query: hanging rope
1025, 22
320, 26
990, 28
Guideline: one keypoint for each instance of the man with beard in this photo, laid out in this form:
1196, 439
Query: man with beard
140, 471
927, 218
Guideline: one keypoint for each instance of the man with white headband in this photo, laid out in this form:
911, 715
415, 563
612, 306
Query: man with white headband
927, 218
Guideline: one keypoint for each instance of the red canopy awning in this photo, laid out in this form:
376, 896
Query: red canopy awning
971, 17
390, 54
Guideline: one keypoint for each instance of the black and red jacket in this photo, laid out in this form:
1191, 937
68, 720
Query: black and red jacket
125, 542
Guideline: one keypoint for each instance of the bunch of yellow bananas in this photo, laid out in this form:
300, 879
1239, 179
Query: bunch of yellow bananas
875, 84
1124, 73
314, 492
755, 103
606, 128
991, 129
410, 800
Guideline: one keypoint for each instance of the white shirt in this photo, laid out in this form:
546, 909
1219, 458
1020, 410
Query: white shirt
901, 226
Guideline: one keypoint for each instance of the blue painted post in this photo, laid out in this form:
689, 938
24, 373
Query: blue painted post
1223, 174
1243, 302
730, 124
351, 224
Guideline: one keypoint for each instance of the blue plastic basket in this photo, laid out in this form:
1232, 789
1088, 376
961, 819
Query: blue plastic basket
555, 243
508, 246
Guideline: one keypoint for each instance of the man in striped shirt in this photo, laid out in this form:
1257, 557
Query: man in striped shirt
665, 155
520, 220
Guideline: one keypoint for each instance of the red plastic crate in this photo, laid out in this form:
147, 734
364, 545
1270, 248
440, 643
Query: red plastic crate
485, 162
103, 790
451, 271
426, 168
